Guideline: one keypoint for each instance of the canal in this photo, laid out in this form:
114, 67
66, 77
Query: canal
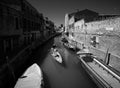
70, 74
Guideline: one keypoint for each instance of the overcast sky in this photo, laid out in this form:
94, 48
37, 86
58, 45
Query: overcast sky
55, 10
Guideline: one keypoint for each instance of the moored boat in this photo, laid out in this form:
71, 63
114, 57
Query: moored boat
56, 55
32, 78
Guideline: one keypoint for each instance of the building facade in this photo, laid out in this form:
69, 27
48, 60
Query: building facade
21, 25
32, 22
10, 27
49, 27
100, 34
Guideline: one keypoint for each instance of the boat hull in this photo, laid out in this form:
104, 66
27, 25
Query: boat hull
32, 78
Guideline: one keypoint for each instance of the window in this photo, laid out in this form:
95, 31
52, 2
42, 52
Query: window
1, 10
1, 17
17, 23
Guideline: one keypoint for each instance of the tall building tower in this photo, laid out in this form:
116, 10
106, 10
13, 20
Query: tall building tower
66, 22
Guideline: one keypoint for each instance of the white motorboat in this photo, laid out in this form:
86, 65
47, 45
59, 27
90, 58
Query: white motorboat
56, 55
32, 78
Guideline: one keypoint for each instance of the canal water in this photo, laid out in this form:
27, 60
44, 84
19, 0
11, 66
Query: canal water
70, 74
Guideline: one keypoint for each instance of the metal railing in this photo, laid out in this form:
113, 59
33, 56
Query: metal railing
108, 70
100, 80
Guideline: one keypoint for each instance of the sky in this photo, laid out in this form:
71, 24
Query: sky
55, 10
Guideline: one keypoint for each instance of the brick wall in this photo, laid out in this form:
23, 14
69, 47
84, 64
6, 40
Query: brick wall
107, 33
110, 38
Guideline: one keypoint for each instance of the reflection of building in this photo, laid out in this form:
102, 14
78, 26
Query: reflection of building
100, 32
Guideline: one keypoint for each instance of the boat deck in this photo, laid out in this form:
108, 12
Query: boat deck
102, 73
110, 79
